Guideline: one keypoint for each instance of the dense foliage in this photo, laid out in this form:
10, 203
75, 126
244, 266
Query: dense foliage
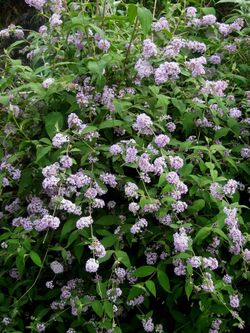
124, 170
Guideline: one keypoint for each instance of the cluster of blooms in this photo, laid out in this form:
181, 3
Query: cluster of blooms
11, 173
139, 226
167, 71
226, 29
196, 66
218, 192
161, 24
38, 4
234, 233
215, 88
12, 30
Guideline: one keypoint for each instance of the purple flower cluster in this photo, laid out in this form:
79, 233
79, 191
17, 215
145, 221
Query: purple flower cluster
181, 241
167, 71
196, 66
138, 226
38, 4
161, 24
215, 88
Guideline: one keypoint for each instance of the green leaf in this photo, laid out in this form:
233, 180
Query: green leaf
108, 308
145, 17
202, 234
41, 152
221, 132
35, 258
188, 288
163, 278
53, 123
151, 287
179, 104
97, 307
144, 271
132, 12
111, 123
108, 220
123, 258
68, 227
106, 257
197, 206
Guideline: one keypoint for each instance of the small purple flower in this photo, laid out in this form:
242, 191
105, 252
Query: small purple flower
176, 162
84, 222
40, 327
57, 267
59, 140
115, 149
181, 241
162, 140
91, 265
143, 68
227, 279
161, 24
230, 187
143, 124
103, 44
48, 82
148, 325
234, 301
191, 12
195, 262
215, 59
149, 49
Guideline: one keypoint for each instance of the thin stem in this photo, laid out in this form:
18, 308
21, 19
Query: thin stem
131, 40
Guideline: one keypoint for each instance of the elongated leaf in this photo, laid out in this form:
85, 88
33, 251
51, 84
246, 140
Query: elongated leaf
144, 271
35, 258
145, 17
53, 123
163, 278
151, 287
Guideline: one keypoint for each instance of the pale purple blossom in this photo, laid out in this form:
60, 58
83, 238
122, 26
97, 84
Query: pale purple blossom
148, 325
143, 124
108, 179
167, 71
55, 20
176, 162
234, 301
91, 265
230, 187
57, 267
138, 226
38, 4
161, 140
149, 49
215, 59
191, 12
59, 140
103, 44
195, 262
143, 68
131, 155
235, 113
48, 82
215, 88
84, 222
196, 66
181, 241
115, 149
161, 24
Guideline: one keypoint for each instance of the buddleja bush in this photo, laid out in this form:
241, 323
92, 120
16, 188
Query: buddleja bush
124, 170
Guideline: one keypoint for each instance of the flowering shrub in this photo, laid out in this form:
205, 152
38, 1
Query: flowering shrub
124, 171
